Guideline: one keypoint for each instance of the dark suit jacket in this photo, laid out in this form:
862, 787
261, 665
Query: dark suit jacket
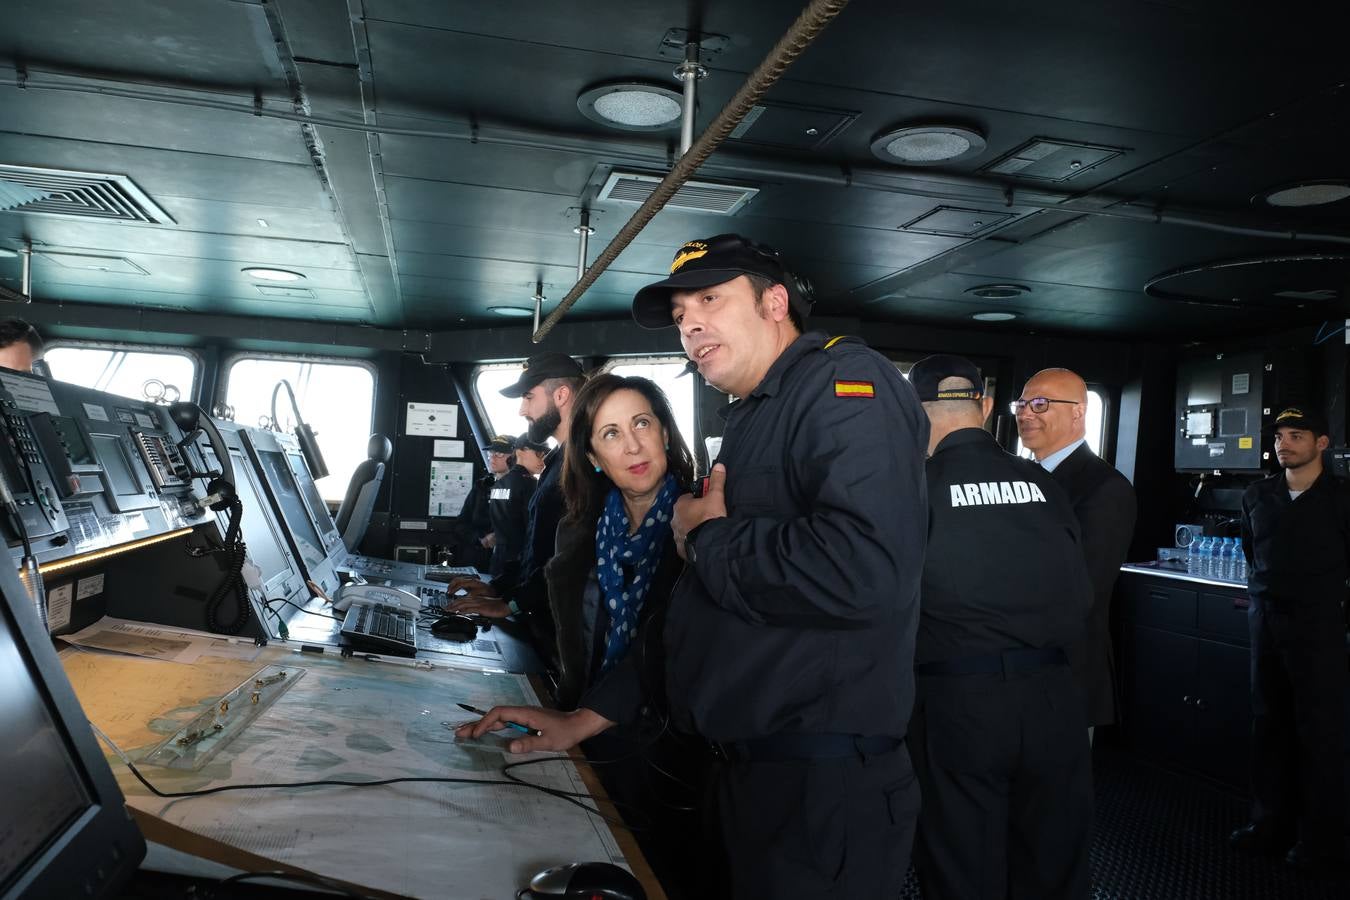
1103, 501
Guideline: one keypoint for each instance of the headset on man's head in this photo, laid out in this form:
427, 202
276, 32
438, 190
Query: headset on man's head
801, 292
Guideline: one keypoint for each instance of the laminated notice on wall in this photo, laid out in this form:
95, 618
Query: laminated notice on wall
450, 449
432, 419
1217, 450
450, 486
1241, 383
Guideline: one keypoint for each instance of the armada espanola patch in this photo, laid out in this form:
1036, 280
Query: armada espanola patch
862, 389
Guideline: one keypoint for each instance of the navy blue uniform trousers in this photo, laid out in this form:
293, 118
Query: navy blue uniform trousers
1006, 773
821, 829
1298, 722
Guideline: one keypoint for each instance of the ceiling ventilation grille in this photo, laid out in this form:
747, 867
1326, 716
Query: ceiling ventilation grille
84, 195
695, 196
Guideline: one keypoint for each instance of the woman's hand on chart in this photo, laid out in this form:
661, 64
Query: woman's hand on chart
558, 730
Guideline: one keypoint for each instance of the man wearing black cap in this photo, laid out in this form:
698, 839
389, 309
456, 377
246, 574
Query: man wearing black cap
1296, 537
547, 387
790, 636
508, 505
997, 733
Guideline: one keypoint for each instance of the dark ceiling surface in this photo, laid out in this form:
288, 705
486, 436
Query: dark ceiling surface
1208, 103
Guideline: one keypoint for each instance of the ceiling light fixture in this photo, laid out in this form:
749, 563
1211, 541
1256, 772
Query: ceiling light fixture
631, 105
511, 312
272, 274
928, 145
994, 316
1305, 193
999, 291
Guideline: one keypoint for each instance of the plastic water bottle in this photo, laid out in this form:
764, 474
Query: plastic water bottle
1216, 559
1225, 572
1193, 551
1202, 568
1240, 566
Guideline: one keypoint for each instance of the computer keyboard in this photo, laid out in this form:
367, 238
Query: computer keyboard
381, 629
447, 574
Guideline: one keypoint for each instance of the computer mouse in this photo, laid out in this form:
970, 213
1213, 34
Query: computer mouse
588, 879
455, 627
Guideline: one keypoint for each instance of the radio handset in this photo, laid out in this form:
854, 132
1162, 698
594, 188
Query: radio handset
309, 445
193, 422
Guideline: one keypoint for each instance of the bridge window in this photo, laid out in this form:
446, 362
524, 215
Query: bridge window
125, 372
337, 400
666, 372
504, 413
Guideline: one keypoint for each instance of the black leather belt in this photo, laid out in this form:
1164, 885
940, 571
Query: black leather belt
790, 747
1009, 662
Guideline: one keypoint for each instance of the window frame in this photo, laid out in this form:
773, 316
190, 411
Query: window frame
198, 362
228, 361
480, 408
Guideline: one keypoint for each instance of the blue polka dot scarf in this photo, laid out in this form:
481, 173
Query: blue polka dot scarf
639, 553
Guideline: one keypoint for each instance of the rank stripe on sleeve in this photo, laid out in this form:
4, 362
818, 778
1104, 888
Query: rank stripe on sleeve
854, 389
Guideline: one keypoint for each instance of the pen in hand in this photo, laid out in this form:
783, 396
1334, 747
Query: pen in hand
532, 732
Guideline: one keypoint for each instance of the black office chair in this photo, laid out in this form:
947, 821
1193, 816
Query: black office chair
354, 514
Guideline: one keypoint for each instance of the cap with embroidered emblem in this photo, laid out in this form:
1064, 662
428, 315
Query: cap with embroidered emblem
704, 263
539, 367
502, 443
930, 372
1296, 417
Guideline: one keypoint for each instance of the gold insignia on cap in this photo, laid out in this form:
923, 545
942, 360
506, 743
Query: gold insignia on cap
1290, 413
690, 251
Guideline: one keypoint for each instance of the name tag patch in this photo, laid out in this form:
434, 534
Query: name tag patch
989, 493
854, 389
500, 494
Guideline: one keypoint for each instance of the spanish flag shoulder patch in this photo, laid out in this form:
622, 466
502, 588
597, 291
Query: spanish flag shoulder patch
854, 389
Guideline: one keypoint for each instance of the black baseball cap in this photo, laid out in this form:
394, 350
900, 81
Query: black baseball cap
524, 443
502, 443
541, 366
1295, 417
929, 372
708, 261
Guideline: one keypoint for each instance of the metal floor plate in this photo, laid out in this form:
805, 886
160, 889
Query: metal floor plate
1163, 836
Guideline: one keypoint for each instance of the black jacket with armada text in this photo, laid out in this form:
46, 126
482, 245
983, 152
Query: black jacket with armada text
797, 611
1004, 569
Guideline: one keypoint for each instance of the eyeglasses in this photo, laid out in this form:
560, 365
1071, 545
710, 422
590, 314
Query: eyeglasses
1038, 404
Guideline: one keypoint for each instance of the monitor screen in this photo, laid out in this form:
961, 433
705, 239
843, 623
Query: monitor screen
279, 478
264, 544
318, 510
64, 830
43, 789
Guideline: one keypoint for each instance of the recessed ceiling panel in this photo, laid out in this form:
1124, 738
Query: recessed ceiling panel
956, 221
1044, 159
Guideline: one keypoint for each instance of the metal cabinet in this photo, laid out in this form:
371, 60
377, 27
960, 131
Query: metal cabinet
1185, 675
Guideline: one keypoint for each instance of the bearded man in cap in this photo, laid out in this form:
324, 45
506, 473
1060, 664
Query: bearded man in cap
1296, 537
547, 388
997, 732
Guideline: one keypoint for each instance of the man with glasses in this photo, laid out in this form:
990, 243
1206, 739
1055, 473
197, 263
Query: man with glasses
1051, 420
998, 718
